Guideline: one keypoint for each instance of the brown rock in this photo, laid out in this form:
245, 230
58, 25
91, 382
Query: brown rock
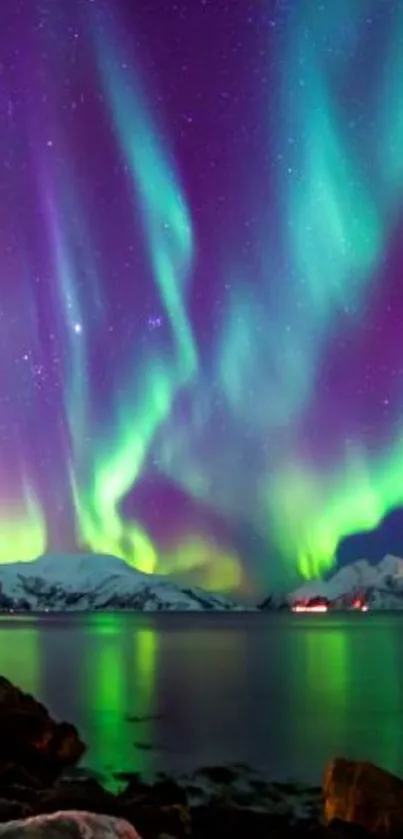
65, 747
24, 727
364, 795
31, 739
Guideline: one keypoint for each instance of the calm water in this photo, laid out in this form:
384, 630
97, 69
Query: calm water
283, 693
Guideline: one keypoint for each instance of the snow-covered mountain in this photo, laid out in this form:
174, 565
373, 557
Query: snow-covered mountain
70, 582
380, 585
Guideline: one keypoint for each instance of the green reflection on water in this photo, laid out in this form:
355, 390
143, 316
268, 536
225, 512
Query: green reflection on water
326, 664
143, 695
20, 653
377, 697
320, 712
104, 677
119, 686
349, 697
392, 733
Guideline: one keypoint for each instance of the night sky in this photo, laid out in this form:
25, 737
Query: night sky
201, 293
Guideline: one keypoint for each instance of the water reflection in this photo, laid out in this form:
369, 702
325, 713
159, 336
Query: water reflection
375, 692
143, 698
119, 687
317, 657
283, 693
20, 652
103, 680
204, 679
347, 678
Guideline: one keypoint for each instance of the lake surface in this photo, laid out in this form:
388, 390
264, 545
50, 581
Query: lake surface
281, 692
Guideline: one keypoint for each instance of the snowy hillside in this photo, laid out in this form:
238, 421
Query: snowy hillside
381, 585
95, 581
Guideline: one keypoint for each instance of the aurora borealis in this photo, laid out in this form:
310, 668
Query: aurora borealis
200, 294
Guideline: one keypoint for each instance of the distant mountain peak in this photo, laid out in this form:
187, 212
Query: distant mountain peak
381, 584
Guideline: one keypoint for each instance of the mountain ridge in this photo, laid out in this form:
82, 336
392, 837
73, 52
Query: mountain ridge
380, 584
97, 582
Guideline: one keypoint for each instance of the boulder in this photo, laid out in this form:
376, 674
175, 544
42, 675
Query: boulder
30, 739
69, 825
364, 795
65, 747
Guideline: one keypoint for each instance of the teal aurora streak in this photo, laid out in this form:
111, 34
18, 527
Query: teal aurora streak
200, 305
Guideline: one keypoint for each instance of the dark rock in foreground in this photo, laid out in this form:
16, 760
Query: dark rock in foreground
216, 802
33, 747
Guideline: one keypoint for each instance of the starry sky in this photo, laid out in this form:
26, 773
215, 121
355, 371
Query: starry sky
201, 309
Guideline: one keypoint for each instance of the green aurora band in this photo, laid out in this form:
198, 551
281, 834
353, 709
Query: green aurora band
23, 528
147, 395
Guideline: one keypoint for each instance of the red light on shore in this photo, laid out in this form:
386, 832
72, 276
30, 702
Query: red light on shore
322, 607
360, 605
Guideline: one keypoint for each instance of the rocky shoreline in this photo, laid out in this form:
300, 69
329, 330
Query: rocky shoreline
39, 756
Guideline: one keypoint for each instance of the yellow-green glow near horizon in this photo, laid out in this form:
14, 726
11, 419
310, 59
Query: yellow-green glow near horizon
22, 529
218, 569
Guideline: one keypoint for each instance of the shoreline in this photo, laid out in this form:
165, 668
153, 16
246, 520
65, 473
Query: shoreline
40, 776
217, 801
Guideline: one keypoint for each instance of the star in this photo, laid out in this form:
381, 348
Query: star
155, 322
